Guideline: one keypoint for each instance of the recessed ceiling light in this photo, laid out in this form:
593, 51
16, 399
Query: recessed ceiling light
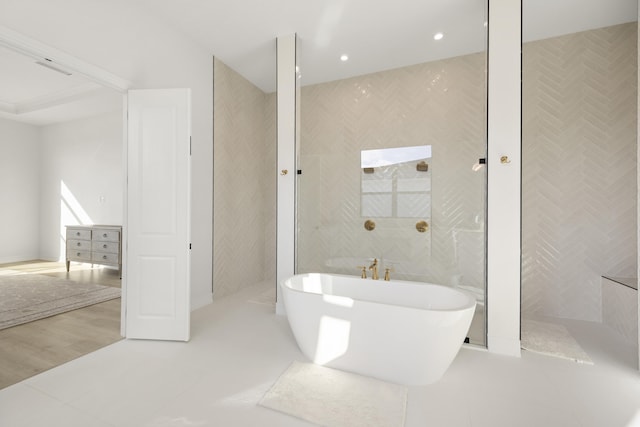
438, 36
344, 58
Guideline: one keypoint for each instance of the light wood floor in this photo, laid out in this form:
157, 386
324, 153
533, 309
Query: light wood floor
31, 348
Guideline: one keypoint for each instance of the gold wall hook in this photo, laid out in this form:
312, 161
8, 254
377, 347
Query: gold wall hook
422, 226
505, 160
369, 225
283, 172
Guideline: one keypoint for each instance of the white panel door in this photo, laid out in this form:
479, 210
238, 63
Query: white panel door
157, 282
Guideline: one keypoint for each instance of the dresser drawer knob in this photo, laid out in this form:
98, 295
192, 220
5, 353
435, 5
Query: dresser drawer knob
78, 244
104, 246
104, 257
78, 254
77, 233
105, 235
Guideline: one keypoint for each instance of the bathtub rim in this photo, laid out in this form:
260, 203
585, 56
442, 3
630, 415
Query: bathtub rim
470, 304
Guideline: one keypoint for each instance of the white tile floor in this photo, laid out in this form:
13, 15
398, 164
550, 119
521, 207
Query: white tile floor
239, 349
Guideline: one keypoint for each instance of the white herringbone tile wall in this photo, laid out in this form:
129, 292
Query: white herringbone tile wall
244, 163
269, 188
441, 104
579, 169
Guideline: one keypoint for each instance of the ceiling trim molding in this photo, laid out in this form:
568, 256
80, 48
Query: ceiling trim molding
56, 98
7, 107
37, 50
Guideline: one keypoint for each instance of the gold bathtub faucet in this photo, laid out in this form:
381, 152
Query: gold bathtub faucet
374, 268
363, 275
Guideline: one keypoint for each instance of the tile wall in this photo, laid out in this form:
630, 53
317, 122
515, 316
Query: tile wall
579, 169
441, 104
244, 196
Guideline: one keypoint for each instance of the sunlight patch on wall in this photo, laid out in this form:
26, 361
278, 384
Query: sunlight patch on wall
71, 213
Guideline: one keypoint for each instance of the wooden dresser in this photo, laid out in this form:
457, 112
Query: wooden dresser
95, 244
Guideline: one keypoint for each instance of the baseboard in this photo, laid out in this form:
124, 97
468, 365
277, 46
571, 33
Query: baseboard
12, 259
52, 258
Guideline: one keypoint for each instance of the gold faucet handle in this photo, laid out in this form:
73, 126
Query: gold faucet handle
387, 276
364, 271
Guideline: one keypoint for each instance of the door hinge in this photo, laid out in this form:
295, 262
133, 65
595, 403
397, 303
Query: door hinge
189, 246
189, 145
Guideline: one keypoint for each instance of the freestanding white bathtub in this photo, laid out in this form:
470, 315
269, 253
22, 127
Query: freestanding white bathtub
404, 332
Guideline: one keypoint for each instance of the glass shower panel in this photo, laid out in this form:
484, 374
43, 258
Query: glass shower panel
364, 193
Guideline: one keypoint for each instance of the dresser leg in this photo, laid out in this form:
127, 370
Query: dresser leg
68, 262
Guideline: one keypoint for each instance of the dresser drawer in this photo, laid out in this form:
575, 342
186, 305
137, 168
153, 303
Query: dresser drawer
78, 233
77, 255
111, 247
95, 244
78, 245
105, 258
105, 235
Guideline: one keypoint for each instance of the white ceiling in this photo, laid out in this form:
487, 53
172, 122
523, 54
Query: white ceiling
377, 35
38, 95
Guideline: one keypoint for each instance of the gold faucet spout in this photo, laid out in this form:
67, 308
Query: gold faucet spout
374, 268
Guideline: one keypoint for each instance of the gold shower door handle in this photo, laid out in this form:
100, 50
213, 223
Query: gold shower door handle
422, 226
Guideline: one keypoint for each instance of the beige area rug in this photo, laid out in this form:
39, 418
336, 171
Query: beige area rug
552, 340
28, 297
334, 398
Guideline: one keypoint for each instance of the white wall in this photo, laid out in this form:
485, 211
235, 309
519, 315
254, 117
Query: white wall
81, 178
503, 179
127, 41
19, 181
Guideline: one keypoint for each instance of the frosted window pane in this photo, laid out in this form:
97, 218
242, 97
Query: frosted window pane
414, 205
415, 184
376, 205
377, 186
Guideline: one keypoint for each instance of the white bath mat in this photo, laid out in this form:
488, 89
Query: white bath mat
333, 398
553, 340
